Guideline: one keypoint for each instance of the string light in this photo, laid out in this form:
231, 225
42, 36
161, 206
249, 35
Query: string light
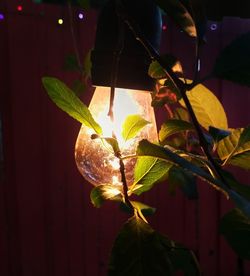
164, 27
1, 16
19, 8
60, 21
80, 15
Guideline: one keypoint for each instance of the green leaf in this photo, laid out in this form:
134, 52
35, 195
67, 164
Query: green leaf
207, 107
148, 172
104, 192
186, 181
235, 148
184, 260
139, 206
66, 99
140, 251
132, 125
218, 134
235, 227
155, 70
173, 126
233, 62
145, 148
137, 251
113, 143
176, 10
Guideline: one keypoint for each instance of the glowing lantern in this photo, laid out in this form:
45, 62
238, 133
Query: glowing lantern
95, 158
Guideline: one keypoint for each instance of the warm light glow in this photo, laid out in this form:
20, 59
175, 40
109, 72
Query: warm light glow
19, 8
60, 21
94, 158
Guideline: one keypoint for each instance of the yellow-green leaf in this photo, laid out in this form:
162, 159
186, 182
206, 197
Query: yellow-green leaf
173, 126
132, 125
235, 148
149, 171
66, 99
207, 107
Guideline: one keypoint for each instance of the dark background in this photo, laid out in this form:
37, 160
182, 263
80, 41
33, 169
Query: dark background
47, 224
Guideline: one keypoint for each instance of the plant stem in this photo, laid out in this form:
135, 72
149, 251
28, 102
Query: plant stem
180, 85
124, 183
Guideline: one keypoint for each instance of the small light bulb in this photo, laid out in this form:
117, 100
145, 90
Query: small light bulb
80, 15
60, 21
164, 27
94, 158
19, 8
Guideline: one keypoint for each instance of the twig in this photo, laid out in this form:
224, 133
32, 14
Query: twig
74, 39
180, 85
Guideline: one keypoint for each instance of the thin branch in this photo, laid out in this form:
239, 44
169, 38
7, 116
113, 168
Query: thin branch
180, 85
72, 31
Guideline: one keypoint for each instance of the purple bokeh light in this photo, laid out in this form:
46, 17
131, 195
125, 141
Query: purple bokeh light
80, 15
1, 16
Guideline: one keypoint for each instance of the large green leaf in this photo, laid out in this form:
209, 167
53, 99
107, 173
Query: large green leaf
148, 172
66, 99
142, 208
155, 70
140, 251
173, 126
176, 10
137, 251
235, 148
207, 107
235, 227
104, 192
132, 125
145, 148
233, 62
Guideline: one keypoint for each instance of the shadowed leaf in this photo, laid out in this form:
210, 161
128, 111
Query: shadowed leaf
235, 227
233, 62
104, 192
176, 10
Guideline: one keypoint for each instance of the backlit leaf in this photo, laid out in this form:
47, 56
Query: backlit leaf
207, 107
145, 148
148, 171
140, 251
235, 148
132, 125
233, 62
176, 10
235, 227
104, 192
173, 126
155, 70
141, 207
66, 99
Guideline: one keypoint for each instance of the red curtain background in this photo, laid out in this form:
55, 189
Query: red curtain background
47, 224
